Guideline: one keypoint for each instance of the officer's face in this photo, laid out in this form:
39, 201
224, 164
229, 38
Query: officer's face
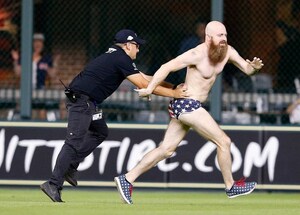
133, 49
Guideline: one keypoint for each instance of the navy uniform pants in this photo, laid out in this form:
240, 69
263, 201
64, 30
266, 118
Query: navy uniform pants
84, 134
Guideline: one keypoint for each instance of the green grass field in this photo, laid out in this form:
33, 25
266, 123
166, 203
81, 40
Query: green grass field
18, 201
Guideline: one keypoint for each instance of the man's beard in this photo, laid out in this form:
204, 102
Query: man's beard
217, 53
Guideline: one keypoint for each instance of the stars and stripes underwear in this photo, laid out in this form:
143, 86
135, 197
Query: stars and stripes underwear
179, 106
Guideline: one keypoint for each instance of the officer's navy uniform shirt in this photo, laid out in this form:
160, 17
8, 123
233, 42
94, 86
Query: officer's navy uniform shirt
103, 75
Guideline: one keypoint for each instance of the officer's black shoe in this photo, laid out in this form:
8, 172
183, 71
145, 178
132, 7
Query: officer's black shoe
71, 177
51, 191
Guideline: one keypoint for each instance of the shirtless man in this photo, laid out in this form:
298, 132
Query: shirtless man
203, 63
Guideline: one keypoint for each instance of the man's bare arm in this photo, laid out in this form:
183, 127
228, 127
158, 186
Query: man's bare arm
247, 66
180, 62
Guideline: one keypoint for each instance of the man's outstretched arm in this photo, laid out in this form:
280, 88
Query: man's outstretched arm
247, 66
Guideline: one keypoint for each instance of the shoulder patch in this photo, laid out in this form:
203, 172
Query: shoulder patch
110, 50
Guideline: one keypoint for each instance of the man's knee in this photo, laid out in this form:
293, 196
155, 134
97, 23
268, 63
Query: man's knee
225, 143
166, 151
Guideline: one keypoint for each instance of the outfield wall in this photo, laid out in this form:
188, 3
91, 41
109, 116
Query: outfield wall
268, 155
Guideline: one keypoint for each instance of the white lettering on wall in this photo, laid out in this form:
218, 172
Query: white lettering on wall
11, 152
57, 145
254, 155
31, 146
203, 155
138, 151
86, 163
122, 153
105, 148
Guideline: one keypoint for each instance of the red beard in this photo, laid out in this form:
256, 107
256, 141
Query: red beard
217, 53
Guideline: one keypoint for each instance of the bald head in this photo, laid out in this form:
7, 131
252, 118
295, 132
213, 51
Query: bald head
216, 40
214, 27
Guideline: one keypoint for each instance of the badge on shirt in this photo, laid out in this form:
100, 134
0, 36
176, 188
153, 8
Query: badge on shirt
97, 115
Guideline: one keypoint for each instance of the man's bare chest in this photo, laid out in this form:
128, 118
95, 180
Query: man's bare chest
208, 71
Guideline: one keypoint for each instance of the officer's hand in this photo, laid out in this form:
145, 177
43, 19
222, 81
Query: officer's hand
143, 93
181, 91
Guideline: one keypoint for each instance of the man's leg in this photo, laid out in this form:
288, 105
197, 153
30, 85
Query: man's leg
174, 134
201, 121
79, 119
72, 174
97, 133
78, 124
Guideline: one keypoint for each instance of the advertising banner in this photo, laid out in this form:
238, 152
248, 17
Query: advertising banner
264, 154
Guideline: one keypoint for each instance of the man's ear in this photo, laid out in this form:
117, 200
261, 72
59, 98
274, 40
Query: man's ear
208, 37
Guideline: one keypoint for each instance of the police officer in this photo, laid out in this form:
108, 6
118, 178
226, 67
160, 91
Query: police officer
86, 126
